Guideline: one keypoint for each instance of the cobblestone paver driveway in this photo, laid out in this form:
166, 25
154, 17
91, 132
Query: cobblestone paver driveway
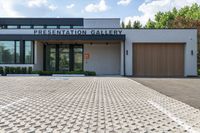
46, 104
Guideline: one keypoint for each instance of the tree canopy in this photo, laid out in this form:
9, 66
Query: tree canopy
166, 19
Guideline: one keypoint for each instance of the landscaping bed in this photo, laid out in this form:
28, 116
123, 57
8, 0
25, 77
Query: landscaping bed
27, 71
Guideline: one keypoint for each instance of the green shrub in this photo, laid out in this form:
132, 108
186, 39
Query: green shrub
23, 70
90, 73
87, 73
29, 70
11, 70
1, 70
7, 70
199, 72
18, 70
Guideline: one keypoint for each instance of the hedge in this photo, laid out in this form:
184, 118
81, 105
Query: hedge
87, 73
28, 70
15, 70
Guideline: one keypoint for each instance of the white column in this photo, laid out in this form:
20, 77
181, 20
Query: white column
122, 58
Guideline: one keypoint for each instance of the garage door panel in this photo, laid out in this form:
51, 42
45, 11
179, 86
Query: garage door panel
158, 60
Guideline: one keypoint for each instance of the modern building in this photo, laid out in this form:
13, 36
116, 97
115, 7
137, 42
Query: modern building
100, 45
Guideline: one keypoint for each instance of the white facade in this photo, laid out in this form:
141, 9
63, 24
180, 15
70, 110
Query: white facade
187, 36
107, 58
104, 59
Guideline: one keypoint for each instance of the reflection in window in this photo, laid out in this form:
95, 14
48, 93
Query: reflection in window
38, 27
12, 26
28, 52
2, 27
7, 52
25, 27
78, 58
64, 27
52, 27
51, 58
64, 58
17, 52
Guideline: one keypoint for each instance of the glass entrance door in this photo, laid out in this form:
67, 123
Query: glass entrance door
51, 58
63, 57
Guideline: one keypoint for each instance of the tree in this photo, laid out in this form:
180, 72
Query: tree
164, 19
137, 25
129, 25
122, 24
150, 24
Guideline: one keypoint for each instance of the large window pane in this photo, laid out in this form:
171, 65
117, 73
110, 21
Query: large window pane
17, 53
25, 27
78, 58
28, 52
7, 52
38, 27
64, 58
51, 58
64, 27
52, 27
12, 26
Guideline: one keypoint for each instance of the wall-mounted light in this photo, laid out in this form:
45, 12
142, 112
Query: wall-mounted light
126, 52
192, 52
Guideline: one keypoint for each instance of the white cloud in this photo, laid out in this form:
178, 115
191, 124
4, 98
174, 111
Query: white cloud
37, 3
124, 2
7, 9
52, 7
41, 3
99, 7
70, 6
22, 8
150, 8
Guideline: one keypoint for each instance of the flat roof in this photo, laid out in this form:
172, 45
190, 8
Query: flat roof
42, 21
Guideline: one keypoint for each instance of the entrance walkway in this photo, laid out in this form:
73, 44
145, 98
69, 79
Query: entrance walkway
87, 104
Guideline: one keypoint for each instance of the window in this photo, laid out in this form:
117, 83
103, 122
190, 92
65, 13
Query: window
12, 26
78, 58
52, 27
17, 52
25, 27
38, 27
28, 46
2, 26
77, 27
64, 27
9, 52
12, 53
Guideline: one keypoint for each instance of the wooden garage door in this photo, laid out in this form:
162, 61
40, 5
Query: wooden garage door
158, 60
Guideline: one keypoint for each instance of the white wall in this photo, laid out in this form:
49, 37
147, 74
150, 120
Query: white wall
38, 56
102, 23
188, 36
104, 59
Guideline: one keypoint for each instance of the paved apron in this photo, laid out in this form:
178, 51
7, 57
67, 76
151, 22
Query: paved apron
101, 104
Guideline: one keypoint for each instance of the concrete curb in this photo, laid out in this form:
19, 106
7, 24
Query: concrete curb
22, 75
68, 75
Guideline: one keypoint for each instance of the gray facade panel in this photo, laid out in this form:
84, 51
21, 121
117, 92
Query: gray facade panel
42, 21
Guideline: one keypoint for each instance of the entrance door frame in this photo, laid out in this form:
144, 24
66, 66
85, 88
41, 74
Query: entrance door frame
71, 55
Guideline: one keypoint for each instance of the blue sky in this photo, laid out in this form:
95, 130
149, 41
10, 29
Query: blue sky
125, 9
